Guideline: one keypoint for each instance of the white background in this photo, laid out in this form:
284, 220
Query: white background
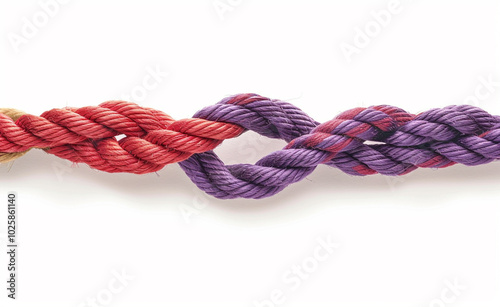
401, 241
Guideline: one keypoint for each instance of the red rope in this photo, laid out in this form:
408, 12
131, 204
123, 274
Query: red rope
152, 138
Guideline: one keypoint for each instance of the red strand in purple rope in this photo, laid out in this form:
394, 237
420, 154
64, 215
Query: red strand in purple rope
437, 138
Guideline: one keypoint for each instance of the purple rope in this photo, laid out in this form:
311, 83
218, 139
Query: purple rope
268, 117
436, 138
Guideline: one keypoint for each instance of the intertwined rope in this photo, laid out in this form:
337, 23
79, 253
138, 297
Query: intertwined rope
151, 139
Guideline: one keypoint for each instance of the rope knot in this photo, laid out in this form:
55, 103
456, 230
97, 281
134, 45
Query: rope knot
120, 136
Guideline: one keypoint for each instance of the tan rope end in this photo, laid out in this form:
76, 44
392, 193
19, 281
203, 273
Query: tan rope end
14, 114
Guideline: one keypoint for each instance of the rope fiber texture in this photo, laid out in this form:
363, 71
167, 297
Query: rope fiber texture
119, 136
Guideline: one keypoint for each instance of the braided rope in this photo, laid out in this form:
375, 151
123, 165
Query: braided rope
439, 140
403, 142
152, 138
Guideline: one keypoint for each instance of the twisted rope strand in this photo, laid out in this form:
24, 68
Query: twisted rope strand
338, 143
152, 138
272, 118
403, 142
299, 158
